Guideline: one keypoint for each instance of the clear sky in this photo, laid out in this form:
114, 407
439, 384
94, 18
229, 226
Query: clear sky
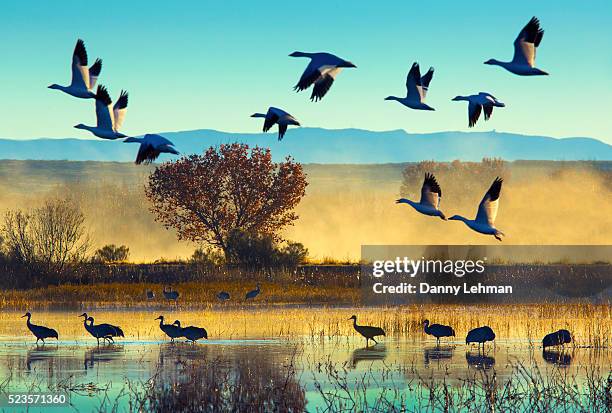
205, 64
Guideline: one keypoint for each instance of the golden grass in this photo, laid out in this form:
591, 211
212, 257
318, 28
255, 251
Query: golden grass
591, 325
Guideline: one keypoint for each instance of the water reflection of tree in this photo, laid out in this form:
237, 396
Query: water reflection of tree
204, 378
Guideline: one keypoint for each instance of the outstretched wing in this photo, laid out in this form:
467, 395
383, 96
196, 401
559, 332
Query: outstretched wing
310, 75
526, 43
488, 111
271, 118
94, 72
425, 80
103, 109
324, 83
119, 110
282, 128
487, 210
431, 194
80, 72
414, 89
474, 110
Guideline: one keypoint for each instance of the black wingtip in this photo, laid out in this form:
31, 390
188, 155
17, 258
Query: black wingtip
102, 95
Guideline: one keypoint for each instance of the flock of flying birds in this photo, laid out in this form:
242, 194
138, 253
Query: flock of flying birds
321, 73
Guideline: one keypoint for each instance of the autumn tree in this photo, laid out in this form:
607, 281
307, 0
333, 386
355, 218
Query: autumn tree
230, 187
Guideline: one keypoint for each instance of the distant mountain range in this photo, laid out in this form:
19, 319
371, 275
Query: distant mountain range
314, 145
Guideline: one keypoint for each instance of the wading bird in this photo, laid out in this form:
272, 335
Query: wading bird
172, 330
170, 294
558, 338
40, 332
487, 212
253, 293
480, 335
193, 333
109, 120
151, 146
150, 295
83, 78
101, 331
322, 70
525, 46
278, 116
416, 89
438, 330
477, 103
431, 194
223, 296
367, 331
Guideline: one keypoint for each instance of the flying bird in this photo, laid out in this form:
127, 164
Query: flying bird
109, 119
151, 146
525, 46
487, 212
278, 116
431, 194
321, 71
83, 78
477, 103
40, 332
416, 89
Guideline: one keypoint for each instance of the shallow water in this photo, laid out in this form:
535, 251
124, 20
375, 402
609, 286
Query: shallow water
108, 376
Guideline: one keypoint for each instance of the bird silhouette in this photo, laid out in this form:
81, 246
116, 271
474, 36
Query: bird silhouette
367, 331
438, 331
40, 332
480, 335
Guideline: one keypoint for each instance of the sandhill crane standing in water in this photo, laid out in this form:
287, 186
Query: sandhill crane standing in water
438, 330
150, 295
558, 338
367, 331
253, 293
480, 335
431, 194
191, 333
172, 330
487, 212
278, 116
83, 78
170, 294
223, 296
101, 331
321, 71
40, 332
109, 119
416, 89
525, 46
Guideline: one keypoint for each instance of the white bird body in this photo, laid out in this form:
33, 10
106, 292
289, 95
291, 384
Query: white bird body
483, 101
321, 71
431, 194
484, 222
109, 118
279, 117
151, 146
525, 46
83, 77
416, 89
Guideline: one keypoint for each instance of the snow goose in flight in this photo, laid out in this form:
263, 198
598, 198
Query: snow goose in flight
151, 146
525, 45
431, 194
83, 78
477, 103
416, 89
322, 70
278, 116
487, 212
109, 120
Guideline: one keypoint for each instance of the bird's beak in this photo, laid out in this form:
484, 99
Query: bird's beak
83, 315
25, 315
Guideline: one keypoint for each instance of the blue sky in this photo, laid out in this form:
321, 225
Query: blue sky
200, 64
